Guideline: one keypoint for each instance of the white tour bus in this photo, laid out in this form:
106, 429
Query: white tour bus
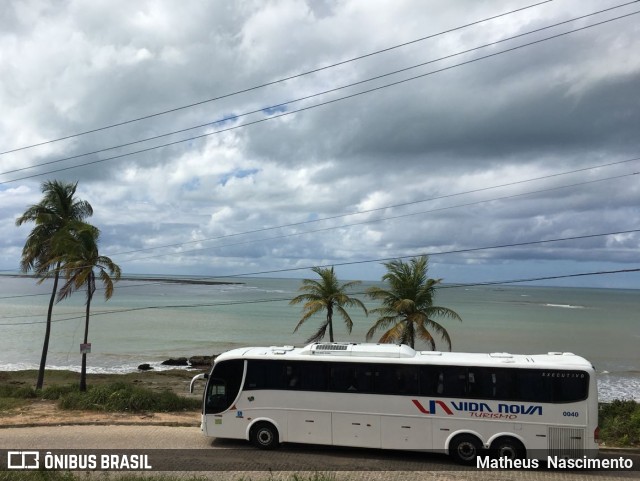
393, 397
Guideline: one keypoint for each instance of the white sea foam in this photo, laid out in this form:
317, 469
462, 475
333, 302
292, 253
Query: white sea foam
119, 369
565, 306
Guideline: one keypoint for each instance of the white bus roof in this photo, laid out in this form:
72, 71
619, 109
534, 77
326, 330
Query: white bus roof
401, 353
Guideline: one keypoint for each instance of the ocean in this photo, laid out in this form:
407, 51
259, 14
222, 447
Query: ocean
148, 321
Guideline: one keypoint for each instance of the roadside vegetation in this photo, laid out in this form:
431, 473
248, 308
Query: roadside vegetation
620, 423
161, 391
112, 397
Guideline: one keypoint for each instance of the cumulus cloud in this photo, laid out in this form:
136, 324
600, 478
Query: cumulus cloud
274, 195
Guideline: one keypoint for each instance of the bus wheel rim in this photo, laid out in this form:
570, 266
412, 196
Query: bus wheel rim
466, 450
507, 452
265, 437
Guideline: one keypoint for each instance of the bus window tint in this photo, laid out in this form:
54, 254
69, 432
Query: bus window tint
570, 386
396, 379
255, 375
268, 375
342, 378
223, 386
429, 380
492, 383
452, 381
307, 376
298, 376
533, 386
444, 381
499, 383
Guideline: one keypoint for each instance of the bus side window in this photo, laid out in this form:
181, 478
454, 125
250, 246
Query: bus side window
341, 378
315, 376
454, 381
504, 384
363, 376
571, 387
533, 386
292, 377
491, 383
255, 375
478, 384
396, 379
429, 380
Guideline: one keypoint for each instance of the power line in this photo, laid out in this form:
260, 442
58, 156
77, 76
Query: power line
545, 278
323, 103
431, 254
283, 104
377, 209
468, 204
360, 57
382, 219
257, 301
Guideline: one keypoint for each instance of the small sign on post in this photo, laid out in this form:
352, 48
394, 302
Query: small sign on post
85, 348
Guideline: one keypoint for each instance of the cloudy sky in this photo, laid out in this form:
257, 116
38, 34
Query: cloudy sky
533, 144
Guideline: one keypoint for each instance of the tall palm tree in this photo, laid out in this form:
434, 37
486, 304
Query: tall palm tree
80, 264
329, 295
407, 305
57, 212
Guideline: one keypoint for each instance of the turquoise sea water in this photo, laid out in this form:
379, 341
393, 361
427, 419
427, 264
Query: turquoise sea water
145, 322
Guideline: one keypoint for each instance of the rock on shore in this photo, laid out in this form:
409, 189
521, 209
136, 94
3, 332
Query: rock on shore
200, 362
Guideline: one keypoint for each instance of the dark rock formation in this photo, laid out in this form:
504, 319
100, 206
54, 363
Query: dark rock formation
201, 361
144, 367
179, 361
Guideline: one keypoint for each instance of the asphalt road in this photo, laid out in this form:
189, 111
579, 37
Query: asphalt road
185, 449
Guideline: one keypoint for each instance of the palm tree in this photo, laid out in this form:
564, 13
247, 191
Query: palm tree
56, 213
407, 305
327, 294
80, 265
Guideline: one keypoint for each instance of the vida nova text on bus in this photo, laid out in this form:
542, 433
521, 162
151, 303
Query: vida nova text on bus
392, 397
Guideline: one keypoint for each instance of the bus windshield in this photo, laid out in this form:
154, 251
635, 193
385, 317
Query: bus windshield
223, 386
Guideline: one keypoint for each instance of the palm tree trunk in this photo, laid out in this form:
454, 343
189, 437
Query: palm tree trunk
330, 321
47, 332
83, 370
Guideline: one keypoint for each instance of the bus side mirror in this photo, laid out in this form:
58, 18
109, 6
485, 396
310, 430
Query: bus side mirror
196, 378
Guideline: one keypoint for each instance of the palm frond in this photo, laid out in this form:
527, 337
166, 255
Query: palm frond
319, 334
326, 294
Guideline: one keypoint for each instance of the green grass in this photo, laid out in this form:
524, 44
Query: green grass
120, 396
116, 396
7, 404
619, 423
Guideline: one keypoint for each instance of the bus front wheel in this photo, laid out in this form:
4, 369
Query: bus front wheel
465, 448
509, 448
264, 436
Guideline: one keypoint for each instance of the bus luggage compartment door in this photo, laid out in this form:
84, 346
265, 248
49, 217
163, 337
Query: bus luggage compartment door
356, 430
309, 427
400, 432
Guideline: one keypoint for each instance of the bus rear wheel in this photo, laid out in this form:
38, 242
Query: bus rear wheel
465, 448
509, 448
264, 436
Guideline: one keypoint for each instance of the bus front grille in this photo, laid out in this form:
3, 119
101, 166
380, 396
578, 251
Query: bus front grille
566, 442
